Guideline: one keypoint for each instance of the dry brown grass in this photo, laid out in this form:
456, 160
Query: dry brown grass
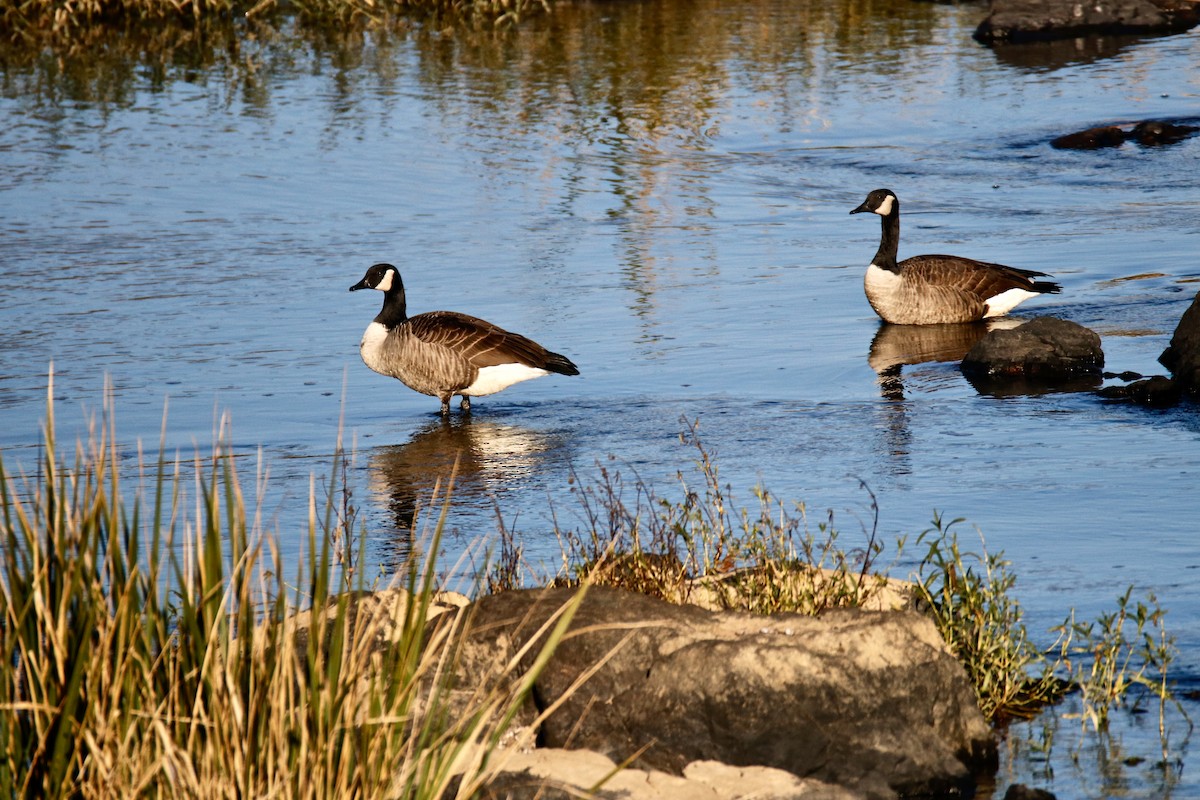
150, 648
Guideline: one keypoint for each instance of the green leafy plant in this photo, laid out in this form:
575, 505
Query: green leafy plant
1121, 650
969, 595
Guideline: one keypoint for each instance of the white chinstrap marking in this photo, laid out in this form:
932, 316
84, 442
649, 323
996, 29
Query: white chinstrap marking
371, 346
493, 379
386, 284
1006, 301
885, 207
881, 280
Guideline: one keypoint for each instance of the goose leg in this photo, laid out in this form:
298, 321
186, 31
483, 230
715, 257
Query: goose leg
466, 404
445, 405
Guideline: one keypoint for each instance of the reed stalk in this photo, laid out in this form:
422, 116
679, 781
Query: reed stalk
150, 647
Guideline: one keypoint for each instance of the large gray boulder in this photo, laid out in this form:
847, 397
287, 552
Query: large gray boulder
1182, 356
872, 701
1033, 20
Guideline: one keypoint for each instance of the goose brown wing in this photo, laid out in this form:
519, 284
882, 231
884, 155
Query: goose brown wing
979, 278
481, 343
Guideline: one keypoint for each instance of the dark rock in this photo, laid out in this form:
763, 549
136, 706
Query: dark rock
1091, 139
1127, 375
1157, 392
1019, 791
1032, 20
1148, 133
1152, 133
1182, 356
1045, 350
872, 701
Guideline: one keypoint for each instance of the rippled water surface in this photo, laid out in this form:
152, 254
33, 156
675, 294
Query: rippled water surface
660, 191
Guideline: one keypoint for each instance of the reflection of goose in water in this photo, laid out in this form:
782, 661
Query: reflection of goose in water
896, 346
491, 457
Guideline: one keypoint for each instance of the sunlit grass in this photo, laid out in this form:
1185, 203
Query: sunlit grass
700, 548
149, 647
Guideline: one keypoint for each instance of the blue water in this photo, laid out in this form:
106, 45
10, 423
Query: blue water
661, 192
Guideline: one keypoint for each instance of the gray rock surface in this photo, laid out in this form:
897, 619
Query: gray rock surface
555, 774
1032, 20
871, 701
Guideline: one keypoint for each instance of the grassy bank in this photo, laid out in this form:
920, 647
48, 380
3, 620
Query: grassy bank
150, 647
151, 642
700, 547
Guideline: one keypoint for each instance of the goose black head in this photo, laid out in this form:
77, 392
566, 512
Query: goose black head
383, 277
881, 201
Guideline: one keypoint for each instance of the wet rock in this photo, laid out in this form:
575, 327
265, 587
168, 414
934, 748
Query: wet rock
1148, 133
1033, 20
871, 701
1182, 356
1045, 351
1158, 391
1091, 139
1152, 133
1019, 791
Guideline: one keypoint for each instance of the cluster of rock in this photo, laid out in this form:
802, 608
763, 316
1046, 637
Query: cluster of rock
1181, 358
1041, 20
1148, 133
1050, 354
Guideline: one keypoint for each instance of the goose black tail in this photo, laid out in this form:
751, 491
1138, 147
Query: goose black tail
1046, 287
556, 362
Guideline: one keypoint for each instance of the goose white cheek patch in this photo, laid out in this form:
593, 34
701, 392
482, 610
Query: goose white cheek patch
885, 207
386, 283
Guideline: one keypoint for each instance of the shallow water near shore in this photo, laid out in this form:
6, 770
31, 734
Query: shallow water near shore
659, 190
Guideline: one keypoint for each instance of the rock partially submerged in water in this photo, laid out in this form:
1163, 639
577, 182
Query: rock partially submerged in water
1149, 133
1182, 358
870, 701
1157, 391
1046, 352
1040, 20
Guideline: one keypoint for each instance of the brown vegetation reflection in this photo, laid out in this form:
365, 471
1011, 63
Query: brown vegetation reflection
640, 87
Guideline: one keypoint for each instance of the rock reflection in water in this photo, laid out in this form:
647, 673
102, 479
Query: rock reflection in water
485, 458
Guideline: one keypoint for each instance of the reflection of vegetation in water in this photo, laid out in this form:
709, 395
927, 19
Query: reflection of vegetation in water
642, 88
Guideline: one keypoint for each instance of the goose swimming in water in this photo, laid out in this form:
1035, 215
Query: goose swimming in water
932, 289
443, 353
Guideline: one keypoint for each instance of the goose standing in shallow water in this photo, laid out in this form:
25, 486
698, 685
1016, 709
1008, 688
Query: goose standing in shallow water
443, 353
932, 289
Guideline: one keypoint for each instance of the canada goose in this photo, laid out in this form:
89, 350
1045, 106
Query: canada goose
443, 353
930, 289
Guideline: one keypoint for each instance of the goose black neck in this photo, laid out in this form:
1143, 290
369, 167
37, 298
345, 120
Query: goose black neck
395, 309
889, 244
